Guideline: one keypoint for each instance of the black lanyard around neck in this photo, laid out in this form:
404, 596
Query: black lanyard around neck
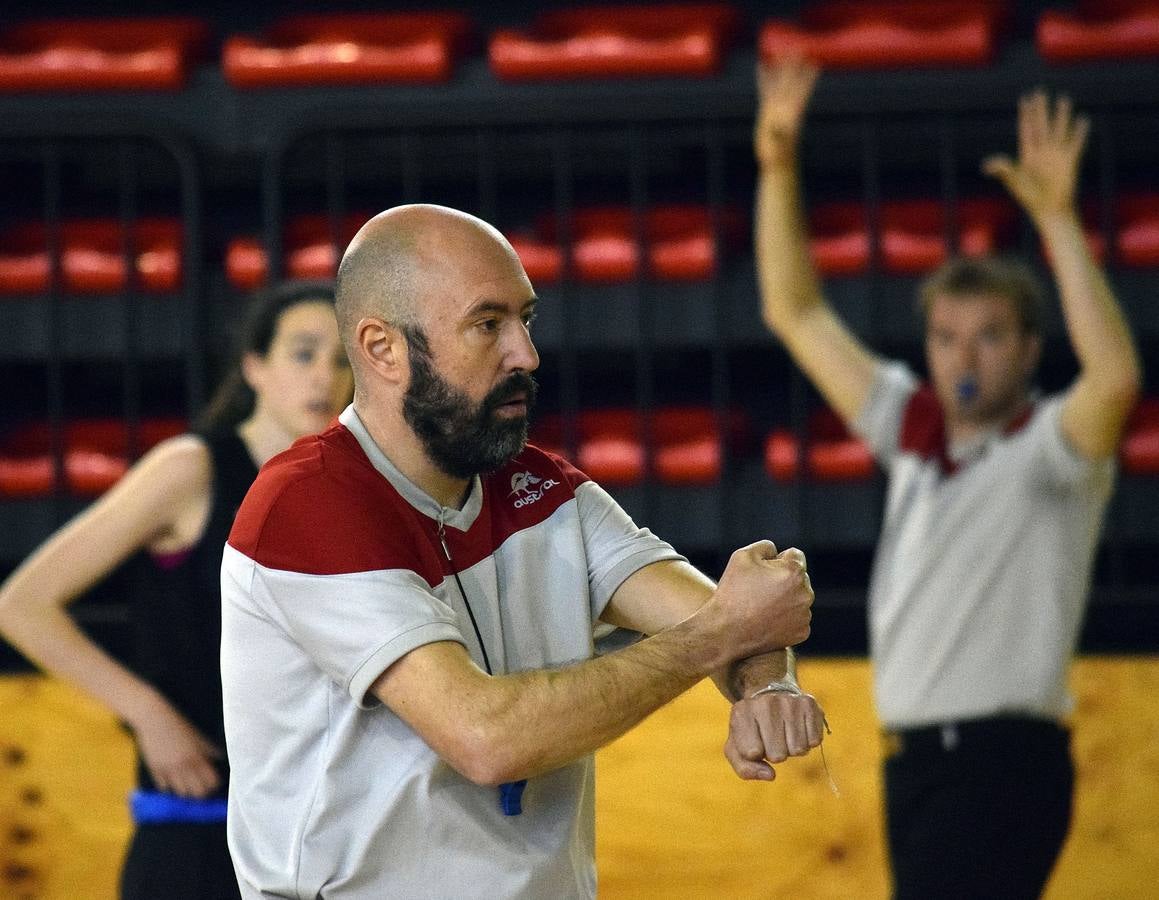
511, 792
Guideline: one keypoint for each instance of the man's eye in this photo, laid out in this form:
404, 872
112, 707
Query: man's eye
489, 324
305, 357
529, 318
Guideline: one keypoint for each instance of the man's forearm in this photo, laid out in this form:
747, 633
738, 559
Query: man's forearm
788, 279
1098, 331
528, 723
495, 729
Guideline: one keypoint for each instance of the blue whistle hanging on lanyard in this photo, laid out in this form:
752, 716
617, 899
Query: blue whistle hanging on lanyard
511, 797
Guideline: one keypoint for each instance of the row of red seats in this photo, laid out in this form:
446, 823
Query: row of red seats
604, 245
913, 233
897, 33
95, 455
689, 39
686, 445
92, 256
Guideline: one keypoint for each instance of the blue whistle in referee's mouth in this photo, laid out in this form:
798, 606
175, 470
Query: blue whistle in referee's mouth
966, 390
511, 797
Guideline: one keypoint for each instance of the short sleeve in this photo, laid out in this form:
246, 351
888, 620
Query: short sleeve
1063, 465
355, 626
616, 547
880, 420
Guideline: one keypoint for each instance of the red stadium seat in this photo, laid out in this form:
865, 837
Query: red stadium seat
831, 452
856, 34
1121, 29
1139, 452
913, 235
1138, 230
604, 244
675, 39
100, 54
349, 48
781, 447
92, 256
686, 443
542, 260
611, 447
95, 456
308, 247
605, 247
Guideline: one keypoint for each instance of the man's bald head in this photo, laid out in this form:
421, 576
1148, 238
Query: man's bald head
401, 251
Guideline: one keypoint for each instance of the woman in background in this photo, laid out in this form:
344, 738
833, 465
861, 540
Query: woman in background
177, 504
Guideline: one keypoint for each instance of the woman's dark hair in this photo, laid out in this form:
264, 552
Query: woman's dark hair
233, 401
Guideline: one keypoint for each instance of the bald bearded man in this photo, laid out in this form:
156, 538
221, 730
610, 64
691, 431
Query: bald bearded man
411, 602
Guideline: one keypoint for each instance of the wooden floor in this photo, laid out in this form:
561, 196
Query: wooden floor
673, 822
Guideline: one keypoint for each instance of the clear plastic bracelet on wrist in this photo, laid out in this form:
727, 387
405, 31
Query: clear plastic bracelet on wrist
778, 687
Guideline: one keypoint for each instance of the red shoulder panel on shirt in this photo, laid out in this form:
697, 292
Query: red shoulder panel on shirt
923, 425
573, 475
923, 428
321, 508
1021, 420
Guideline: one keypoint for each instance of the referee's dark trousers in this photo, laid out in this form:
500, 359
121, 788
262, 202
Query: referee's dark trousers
977, 809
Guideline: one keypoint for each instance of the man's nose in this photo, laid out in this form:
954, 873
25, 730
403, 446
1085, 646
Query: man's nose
521, 352
968, 355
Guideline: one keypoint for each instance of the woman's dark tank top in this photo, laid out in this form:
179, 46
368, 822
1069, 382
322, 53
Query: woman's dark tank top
175, 605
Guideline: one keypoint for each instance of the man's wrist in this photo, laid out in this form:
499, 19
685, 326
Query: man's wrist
786, 685
780, 163
757, 672
1065, 218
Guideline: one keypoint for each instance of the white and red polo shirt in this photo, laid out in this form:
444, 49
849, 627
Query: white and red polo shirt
984, 562
333, 571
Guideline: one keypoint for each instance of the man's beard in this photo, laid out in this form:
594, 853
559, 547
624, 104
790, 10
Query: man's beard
460, 438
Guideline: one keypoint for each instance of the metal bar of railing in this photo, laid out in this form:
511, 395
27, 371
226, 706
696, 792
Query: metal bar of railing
564, 205
644, 355
54, 369
130, 296
721, 392
948, 168
409, 148
273, 222
871, 186
335, 168
486, 174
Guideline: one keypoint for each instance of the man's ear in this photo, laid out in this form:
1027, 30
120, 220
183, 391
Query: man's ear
382, 347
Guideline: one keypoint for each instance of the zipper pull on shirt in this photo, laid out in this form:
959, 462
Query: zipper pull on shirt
443, 542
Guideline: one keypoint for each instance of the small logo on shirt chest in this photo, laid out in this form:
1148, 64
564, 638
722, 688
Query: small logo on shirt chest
529, 489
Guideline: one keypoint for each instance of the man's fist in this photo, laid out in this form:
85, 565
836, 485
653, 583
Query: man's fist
765, 599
